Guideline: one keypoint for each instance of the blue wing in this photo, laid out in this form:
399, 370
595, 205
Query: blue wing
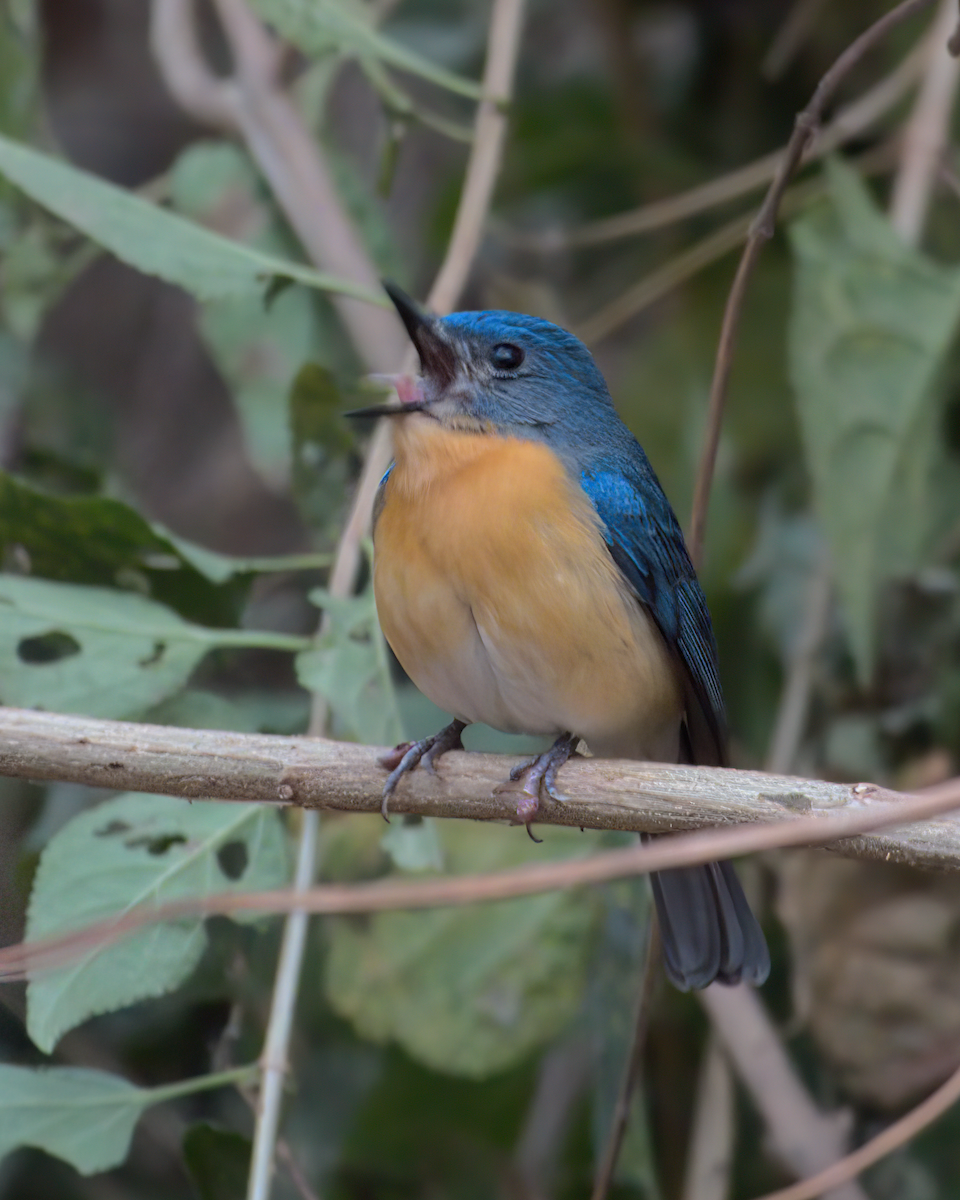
647, 545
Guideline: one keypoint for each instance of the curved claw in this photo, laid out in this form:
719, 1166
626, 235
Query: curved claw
408, 755
541, 773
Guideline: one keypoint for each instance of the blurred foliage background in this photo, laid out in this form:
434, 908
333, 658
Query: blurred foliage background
158, 442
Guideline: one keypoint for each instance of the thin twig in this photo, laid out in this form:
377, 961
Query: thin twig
892, 1138
844, 831
710, 249
927, 131
633, 1069
791, 718
761, 231
850, 122
273, 1060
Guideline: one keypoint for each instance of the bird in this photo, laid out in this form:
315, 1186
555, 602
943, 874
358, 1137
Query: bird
530, 574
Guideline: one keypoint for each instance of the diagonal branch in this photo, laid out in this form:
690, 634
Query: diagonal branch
603, 794
761, 231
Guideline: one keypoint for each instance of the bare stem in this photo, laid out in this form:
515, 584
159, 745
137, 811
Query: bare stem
273, 1060
803, 1138
851, 121
710, 1157
927, 131
633, 1068
761, 231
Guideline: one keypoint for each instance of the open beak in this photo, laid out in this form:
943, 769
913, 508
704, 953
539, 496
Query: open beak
437, 357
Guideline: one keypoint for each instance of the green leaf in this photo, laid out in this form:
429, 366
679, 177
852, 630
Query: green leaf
129, 851
346, 27
151, 239
350, 668
101, 652
413, 844
468, 991
257, 346
871, 326
85, 1117
19, 66
218, 1161
99, 540
323, 458
219, 568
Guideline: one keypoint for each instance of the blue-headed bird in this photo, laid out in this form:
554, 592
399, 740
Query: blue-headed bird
530, 574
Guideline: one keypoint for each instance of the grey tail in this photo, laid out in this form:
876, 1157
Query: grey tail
707, 930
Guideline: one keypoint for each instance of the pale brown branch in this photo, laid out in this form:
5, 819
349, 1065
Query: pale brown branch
506, 22
175, 46
803, 1138
761, 231
791, 718
927, 130
603, 793
864, 810
710, 1155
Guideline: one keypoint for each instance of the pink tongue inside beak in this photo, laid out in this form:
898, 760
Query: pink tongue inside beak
409, 389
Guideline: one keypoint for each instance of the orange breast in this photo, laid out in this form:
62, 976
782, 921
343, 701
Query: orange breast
499, 597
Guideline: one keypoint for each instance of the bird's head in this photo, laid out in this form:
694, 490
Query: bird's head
497, 372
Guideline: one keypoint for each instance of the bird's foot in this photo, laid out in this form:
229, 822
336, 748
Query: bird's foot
541, 774
408, 755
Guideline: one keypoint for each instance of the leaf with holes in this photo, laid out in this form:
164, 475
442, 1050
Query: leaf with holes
469, 991
139, 850
84, 1117
101, 540
872, 324
349, 666
101, 652
150, 238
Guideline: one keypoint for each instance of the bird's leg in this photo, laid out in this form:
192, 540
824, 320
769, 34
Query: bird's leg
407, 755
541, 772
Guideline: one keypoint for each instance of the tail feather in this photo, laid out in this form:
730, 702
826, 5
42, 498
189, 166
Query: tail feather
707, 930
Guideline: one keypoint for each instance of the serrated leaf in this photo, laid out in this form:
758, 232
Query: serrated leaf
85, 1117
350, 668
468, 991
100, 652
129, 851
152, 239
346, 27
871, 325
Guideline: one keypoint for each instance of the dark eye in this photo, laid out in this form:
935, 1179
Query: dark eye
506, 356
